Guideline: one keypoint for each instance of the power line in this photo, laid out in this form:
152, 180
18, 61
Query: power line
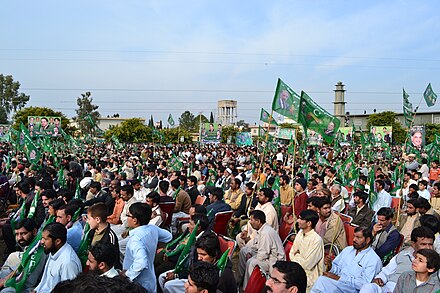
214, 53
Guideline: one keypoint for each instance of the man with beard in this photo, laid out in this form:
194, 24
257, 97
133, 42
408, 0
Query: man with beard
330, 226
287, 276
25, 232
101, 259
361, 213
354, 267
62, 263
408, 221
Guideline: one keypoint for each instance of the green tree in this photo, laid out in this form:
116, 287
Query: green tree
186, 121
3, 116
229, 131
430, 131
172, 135
131, 130
197, 120
244, 125
22, 117
388, 118
86, 109
10, 97
211, 118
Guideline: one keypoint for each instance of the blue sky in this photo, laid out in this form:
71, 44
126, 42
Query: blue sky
158, 57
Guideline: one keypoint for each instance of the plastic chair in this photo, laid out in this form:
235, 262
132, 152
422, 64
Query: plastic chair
225, 243
287, 247
167, 207
164, 216
395, 203
284, 230
256, 282
349, 232
345, 218
200, 199
331, 250
221, 221
285, 210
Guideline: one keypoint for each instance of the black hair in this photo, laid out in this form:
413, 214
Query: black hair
56, 231
217, 192
387, 212
362, 195
431, 222
154, 196
200, 209
28, 224
267, 193
310, 216
49, 193
202, 219
294, 274
319, 202
193, 179
422, 203
141, 212
422, 232
286, 179
103, 251
271, 181
366, 232
175, 183
164, 186
210, 244
129, 189
258, 215
432, 257
95, 185
24, 187
205, 276
99, 210
381, 183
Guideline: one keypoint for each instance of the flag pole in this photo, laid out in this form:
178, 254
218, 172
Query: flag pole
293, 176
403, 157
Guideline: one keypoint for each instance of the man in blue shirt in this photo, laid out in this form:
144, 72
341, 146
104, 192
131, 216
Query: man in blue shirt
141, 246
216, 203
62, 263
354, 267
65, 216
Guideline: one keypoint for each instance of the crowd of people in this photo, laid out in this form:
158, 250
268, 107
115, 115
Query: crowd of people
94, 218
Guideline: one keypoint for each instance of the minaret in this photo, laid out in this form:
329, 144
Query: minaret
339, 109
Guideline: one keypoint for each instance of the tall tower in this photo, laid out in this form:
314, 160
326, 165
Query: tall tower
339, 108
227, 112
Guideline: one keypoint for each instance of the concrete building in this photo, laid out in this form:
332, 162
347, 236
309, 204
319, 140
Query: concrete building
339, 103
227, 112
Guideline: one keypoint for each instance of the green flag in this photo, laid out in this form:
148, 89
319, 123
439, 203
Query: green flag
408, 111
175, 164
430, 96
320, 160
312, 116
182, 261
349, 170
84, 245
29, 261
33, 207
77, 190
266, 117
61, 179
90, 120
371, 181
30, 149
223, 260
170, 120
286, 101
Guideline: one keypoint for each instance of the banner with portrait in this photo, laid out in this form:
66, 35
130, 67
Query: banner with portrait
313, 138
285, 133
44, 126
243, 138
417, 133
345, 135
381, 134
211, 133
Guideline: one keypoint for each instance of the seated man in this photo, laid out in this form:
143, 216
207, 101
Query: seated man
153, 200
233, 195
203, 277
330, 226
263, 250
423, 277
288, 276
62, 263
385, 281
385, 236
207, 249
354, 267
216, 203
25, 233
183, 202
408, 221
102, 258
308, 247
361, 213
65, 216
424, 207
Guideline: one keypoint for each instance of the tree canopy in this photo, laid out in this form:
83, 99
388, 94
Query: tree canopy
87, 114
10, 97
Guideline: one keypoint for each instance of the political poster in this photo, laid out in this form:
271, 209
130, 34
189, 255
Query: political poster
211, 133
243, 139
44, 126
